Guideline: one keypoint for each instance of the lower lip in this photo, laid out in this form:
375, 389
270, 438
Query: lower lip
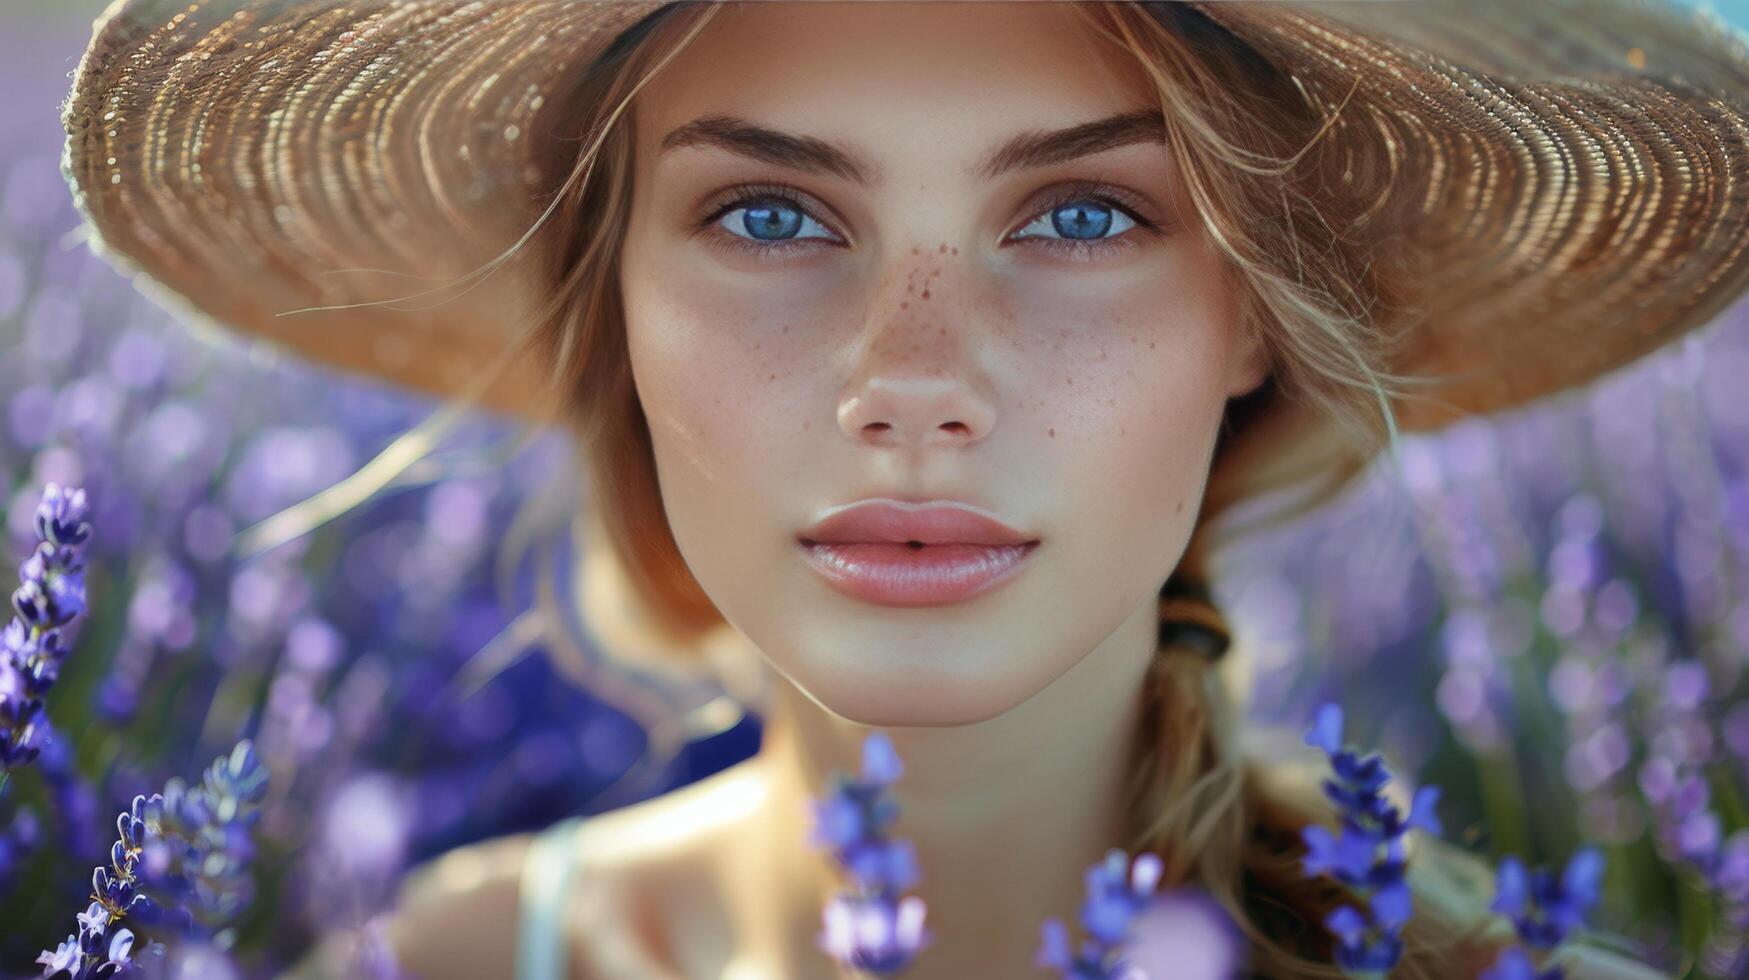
900, 575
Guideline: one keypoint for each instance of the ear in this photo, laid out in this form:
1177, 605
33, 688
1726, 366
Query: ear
1250, 367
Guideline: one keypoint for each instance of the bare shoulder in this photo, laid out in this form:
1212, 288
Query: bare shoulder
456, 916
631, 908
457, 913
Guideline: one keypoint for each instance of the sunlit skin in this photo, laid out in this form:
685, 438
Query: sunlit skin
926, 331
923, 331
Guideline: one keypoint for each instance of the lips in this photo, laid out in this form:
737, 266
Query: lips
895, 554
894, 522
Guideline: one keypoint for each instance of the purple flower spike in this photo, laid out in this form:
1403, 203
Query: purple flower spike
60, 517
49, 599
1368, 853
871, 929
874, 933
837, 823
880, 761
1421, 811
1545, 909
178, 866
1326, 730
1511, 887
1117, 892
1391, 906
1054, 951
95, 951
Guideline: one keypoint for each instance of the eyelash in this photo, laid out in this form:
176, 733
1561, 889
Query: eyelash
1078, 249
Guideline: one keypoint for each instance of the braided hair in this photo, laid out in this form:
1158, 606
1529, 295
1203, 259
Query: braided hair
1190, 621
1231, 826
1195, 802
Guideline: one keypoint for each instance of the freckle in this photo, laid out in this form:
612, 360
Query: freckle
1069, 380
771, 377
1052, 432
785, 328
1180, 508
913, 250
942, 331
1150, 345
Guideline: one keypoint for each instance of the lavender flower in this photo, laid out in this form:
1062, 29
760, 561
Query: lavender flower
99, 949
50, 596
1116, 894
1544, 910
1368, 856
177, 869
200, 846
872, 928
1689, 829
874, 933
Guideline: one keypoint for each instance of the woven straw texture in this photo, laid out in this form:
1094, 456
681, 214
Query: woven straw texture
1573, 175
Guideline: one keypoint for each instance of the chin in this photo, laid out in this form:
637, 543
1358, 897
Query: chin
919, 688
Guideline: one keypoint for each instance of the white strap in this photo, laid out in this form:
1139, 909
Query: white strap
547, 870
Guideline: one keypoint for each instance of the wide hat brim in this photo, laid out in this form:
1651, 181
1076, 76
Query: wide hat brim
344, 179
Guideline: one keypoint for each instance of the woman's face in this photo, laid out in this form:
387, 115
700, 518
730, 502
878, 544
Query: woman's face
865, 262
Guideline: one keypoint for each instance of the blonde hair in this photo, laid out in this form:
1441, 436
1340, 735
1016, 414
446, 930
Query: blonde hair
1319, 284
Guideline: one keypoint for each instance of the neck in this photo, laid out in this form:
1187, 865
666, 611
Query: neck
1005, 814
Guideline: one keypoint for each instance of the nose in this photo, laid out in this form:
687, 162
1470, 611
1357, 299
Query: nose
919, 381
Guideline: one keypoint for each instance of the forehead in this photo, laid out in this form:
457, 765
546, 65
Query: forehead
880, 75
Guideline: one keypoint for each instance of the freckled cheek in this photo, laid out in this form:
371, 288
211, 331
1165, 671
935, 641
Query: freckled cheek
1108, 357
1128, 400
1137, 422
716, 374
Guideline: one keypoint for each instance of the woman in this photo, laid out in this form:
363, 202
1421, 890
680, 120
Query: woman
1048, 288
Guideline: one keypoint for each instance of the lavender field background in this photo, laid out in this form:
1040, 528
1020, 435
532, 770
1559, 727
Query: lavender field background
1548, 606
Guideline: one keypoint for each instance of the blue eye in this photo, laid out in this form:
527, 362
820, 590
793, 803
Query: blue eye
1086, 219
769, 220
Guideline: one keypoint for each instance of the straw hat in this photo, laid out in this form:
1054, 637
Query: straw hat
1578, 168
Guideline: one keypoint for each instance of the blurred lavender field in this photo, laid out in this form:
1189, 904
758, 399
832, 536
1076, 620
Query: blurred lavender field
1545, 614
338, 653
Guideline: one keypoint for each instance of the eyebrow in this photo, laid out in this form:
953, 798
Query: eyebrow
1034, 148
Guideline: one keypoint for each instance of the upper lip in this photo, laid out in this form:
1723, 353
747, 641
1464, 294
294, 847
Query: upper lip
895, 521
